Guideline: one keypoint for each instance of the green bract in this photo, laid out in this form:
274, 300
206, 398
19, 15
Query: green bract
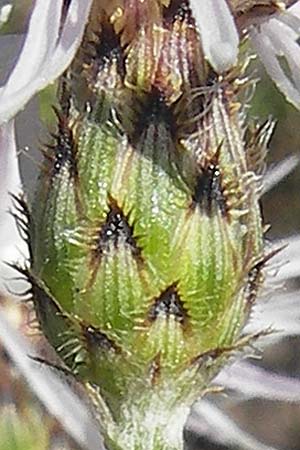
146, 234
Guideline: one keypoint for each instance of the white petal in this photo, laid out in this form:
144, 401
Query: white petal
10, 47
288, 259
56, 395
70, 38
252, 381
295, 9
9, 167
276, 39
218, 33
40, 41
280, 313
292, 14
283, 39
13, 248
210, 421
279, 172
44, 57
278, 310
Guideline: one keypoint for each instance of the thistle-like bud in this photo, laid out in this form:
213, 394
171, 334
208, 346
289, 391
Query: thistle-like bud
146, 233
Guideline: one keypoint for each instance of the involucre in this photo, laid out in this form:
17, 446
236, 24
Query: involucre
146, 233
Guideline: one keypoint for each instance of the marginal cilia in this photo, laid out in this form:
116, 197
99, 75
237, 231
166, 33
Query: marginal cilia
145, 234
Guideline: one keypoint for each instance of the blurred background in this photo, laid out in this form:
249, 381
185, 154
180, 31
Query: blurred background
275, 423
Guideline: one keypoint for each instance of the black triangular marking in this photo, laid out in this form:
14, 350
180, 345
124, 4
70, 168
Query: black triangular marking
117, 231
168, 304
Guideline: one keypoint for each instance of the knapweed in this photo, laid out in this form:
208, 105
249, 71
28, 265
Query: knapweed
145, 237
145, 234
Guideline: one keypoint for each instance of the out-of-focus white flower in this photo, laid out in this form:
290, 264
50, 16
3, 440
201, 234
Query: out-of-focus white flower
52, 39
278, 172
48, 49
210, 421
273, 37
275, 42
72, 413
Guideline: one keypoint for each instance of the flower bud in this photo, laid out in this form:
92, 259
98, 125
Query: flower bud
146, 235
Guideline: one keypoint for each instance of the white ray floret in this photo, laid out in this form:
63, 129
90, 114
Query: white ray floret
277, 39
254, 382
47, 51
219, 36
55, 394
279, 172
210, 421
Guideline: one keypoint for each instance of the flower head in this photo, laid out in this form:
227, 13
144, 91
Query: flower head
147, 247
